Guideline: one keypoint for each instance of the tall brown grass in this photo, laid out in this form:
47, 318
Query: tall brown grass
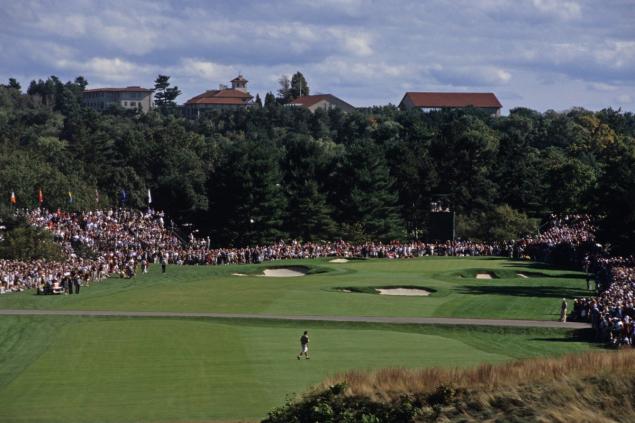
390, 384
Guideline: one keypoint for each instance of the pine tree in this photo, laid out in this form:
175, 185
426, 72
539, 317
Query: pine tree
370, 199
164, 95
309, 217
246, 199
299, 86
270, 100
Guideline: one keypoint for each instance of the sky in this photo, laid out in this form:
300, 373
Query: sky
541, 54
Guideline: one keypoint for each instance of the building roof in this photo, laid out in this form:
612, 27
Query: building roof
114, 90
228, 96
426, 99
310, 100
219, 100
239, 78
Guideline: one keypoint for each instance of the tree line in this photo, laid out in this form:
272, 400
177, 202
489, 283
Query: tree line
273, 172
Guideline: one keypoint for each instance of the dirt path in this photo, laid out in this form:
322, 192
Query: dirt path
363, 319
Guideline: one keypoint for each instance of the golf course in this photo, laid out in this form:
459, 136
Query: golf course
180, 368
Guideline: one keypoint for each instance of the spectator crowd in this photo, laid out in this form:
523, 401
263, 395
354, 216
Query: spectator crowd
612, 311
104, 243
119, 243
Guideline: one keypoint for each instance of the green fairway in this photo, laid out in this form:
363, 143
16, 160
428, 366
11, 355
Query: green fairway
456, 290
89, 369
98, 369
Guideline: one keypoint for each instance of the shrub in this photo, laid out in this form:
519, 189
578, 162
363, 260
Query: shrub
28, 243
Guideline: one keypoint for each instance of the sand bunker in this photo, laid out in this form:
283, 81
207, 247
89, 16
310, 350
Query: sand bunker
238, 274
408, 292
522, 275
339, 260
483, 276
284, 273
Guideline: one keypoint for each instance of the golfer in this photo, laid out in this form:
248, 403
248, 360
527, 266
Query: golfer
304, 345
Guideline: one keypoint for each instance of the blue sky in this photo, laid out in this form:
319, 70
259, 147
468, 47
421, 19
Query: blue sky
542, 54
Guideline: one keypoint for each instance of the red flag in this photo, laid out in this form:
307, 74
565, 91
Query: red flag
40, 197
13, 199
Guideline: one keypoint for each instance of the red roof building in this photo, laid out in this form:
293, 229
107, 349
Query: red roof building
321, 101
223, 98
436, 101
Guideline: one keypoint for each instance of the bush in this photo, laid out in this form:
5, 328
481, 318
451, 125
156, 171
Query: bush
501, 223
333, 405
28, 243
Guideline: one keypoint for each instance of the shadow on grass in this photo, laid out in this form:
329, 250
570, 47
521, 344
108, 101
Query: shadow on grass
523, 291
536, 265
558, 276
577, 335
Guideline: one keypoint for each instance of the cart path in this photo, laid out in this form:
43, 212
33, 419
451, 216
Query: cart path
362, 319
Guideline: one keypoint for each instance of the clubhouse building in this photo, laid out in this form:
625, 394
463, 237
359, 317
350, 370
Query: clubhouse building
129, 98
321, 101
224, 97
428, 101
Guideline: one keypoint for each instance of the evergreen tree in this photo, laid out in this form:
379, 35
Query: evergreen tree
308, 214
614, 200
284, 89
246, 199
164, 95
14, 84
270, 99
370, 198
299, 86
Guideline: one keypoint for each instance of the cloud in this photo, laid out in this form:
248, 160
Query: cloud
351, 71
471, 75
205, 70
356, 44
565, 10
548, 53
106, 69
606, 62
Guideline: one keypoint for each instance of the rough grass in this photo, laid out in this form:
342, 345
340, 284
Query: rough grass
388, 384
586, 387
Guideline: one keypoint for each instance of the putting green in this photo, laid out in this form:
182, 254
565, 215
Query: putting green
90, 369
456, 291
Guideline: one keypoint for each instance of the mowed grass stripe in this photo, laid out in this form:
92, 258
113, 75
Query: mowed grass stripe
155, 369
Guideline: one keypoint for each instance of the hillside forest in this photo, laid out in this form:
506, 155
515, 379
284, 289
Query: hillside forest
272, 172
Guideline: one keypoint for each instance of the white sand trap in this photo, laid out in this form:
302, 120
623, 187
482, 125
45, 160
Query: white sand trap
522, 275
238, 274
283, 273
483, 276
346, 290
408, 292
339, 260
